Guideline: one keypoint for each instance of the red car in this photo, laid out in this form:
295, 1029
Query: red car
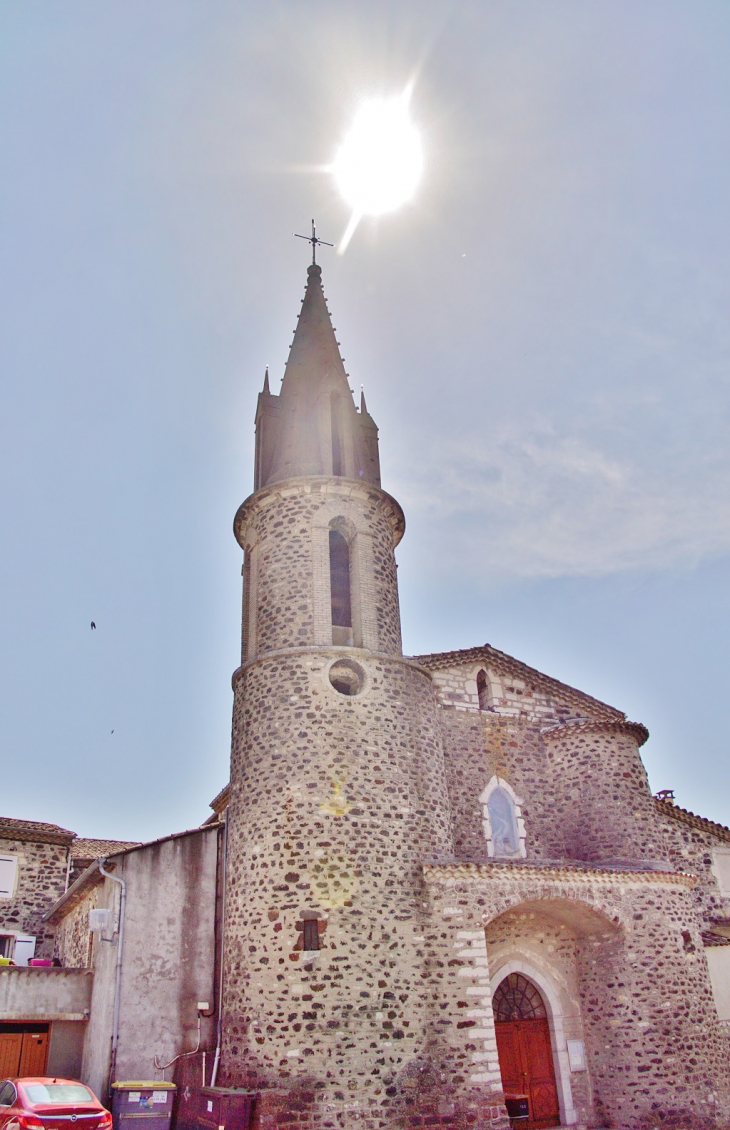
50, 1104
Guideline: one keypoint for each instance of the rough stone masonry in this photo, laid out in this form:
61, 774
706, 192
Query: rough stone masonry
404, 836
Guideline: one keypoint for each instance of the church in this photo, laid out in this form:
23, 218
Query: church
437, 890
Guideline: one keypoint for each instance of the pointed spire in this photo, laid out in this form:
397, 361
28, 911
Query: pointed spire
266, 389
312, 427
314, 362
363, 405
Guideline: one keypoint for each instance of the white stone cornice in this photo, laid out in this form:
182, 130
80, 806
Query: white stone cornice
637, 730
322, 486
483, 874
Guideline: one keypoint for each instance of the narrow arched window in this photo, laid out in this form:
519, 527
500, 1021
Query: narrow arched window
340, 580
483, 690
246, 609
503, 824
336, 437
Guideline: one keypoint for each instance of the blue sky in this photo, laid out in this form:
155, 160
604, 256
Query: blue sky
542, 336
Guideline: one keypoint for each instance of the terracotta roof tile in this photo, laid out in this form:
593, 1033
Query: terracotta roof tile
684, 816
34, 830
219, 804
96, 849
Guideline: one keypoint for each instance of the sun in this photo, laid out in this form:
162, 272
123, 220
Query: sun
380, 162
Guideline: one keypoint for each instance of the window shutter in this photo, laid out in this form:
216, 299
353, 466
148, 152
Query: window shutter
8, 868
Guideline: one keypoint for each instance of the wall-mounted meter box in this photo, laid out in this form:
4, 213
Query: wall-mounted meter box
100, 920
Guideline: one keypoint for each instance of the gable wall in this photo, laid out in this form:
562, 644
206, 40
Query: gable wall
690, 848
40, 881
505, 741
74, 941
480, 745
584, 796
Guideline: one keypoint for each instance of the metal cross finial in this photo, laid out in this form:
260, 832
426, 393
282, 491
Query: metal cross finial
314, 240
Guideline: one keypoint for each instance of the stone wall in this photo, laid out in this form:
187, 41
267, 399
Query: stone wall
74, 941
41, 880
284, 530
335, 801
689, 843
479, 745
513, 688
603, 802
631, 961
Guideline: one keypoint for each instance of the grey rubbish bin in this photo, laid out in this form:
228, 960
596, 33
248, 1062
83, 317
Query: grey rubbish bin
142, 1104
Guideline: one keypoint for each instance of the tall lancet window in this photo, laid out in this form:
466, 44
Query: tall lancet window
483, 690
340, 581
336, 437
503, 825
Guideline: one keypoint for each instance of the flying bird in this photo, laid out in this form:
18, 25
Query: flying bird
93, 626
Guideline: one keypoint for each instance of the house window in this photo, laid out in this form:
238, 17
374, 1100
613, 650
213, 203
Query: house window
483, 690
8, 871
502, 821
340, 580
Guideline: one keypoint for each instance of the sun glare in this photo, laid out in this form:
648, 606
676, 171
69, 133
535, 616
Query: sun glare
379, 164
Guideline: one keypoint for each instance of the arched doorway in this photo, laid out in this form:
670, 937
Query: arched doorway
524, 1048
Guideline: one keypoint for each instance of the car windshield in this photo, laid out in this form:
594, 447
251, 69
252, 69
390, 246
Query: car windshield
57, 1093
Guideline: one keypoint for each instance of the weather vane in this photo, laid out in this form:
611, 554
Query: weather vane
314, 240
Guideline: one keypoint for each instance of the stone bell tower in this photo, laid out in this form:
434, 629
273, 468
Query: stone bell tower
337, 775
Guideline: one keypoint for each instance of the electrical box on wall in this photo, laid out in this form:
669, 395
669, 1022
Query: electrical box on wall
100, 920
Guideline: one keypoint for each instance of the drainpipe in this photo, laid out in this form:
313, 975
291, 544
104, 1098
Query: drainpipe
118, 979
219, 1038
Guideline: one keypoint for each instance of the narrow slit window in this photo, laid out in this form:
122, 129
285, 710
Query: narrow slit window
246, 604
336, 438
310, 938
483, 691
340, 580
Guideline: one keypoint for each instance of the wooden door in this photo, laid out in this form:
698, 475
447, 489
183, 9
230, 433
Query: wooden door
33, 1054
544, 1109
526, 1064
11, 1045
510, 1059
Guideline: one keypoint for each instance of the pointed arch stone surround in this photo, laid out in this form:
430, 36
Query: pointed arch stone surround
492, 785
551, 997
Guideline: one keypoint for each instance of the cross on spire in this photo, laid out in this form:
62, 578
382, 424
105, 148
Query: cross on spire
314, 240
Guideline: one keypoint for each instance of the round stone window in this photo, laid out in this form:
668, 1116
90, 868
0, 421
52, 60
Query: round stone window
347, 677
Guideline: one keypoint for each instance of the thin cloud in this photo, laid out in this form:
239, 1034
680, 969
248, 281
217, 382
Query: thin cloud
544, 506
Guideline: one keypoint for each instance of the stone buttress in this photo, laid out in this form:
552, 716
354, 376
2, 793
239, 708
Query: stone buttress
338, 793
